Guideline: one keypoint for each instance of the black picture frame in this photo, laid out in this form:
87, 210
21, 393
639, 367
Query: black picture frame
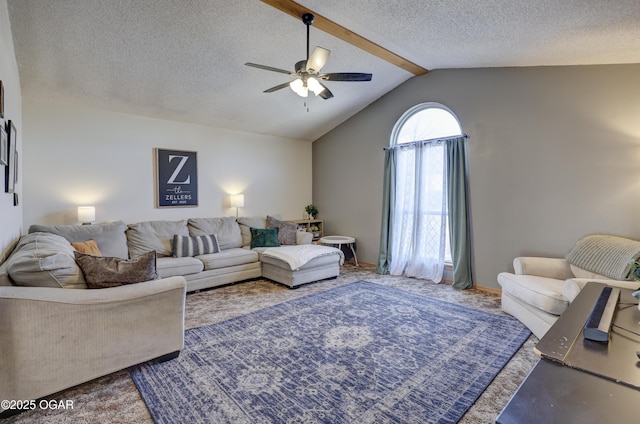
1, 100
4, 146
11, 168
176, 178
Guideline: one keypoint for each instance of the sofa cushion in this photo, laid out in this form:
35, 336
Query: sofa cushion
225, 228
193, 246
170, 267
146, 236
44, 260
605, 255
287, 231
264, 237
227, 258
541, 292
101, 272
89, 246
110, 237
246, 222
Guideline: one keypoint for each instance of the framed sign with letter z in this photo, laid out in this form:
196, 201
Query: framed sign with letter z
176, 178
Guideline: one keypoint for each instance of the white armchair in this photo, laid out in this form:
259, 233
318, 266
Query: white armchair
540, 289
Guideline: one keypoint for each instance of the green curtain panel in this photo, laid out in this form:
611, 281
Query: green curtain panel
388, 199
460, 234
457, 194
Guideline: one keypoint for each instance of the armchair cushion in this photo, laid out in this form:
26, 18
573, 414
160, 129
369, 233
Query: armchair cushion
543, 267
541, 292
572, 286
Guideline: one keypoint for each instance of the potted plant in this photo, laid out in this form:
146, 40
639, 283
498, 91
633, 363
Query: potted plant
634, 272
311, 210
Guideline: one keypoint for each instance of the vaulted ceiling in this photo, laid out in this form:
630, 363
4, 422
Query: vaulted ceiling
184, 60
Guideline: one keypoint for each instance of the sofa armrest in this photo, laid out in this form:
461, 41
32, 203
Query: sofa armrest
572, 286
304, 237
53, 338
557, 268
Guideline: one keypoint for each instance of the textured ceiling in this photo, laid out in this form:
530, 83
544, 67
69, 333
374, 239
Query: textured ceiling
184, 59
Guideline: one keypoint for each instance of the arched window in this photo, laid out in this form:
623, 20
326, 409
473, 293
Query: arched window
419, 229
426, 121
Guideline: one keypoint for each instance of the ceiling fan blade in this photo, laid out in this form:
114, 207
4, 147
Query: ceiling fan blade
270, 68
346, 76
277, 87
326, 93
317, 60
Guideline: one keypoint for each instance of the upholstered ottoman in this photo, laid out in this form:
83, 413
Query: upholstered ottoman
302, 264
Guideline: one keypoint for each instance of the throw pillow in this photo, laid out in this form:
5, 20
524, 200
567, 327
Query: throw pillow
246, 222
105, 271
89, 246
184, 246
264, 237
286, 230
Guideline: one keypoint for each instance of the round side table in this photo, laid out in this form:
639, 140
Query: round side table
339, 241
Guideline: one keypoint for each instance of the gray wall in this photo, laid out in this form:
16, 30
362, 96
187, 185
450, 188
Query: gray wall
554, 154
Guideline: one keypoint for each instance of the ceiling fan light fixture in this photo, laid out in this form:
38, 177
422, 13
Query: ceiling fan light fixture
299, 87
314, 86
307, 72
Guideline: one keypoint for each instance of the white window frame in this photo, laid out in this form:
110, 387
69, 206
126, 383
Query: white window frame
395, 135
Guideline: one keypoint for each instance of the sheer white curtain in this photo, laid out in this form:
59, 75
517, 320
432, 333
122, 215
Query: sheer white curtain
419, 220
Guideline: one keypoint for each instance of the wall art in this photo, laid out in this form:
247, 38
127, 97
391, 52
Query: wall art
4, 146
176, 178
11, 168
1, 100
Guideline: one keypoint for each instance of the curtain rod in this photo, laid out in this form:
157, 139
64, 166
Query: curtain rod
432, 140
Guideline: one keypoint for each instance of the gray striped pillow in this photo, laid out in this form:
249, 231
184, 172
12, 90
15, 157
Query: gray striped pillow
184, 246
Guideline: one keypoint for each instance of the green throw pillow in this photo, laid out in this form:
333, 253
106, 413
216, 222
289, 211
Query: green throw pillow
264, 237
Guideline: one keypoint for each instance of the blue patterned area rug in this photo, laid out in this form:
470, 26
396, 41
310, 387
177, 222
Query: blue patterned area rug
359, 353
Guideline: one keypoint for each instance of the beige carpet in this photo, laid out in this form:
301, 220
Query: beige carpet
115, 399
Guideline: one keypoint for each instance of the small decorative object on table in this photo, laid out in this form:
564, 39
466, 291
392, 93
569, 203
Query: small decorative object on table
311, 210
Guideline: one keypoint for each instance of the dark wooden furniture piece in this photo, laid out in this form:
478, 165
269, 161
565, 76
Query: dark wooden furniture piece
579, 380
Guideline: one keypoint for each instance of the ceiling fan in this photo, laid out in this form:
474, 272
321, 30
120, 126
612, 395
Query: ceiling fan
307, 72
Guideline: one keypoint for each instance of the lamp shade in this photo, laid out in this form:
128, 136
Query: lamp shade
299, 87
315, 86
237, 201
86, 213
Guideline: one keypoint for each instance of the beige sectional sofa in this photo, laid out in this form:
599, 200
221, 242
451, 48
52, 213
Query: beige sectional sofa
52, 339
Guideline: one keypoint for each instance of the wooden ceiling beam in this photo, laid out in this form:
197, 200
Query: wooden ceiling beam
297, 10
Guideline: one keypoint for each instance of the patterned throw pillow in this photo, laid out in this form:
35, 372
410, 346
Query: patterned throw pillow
264, 237
104, 271
184, 246
286, 230
89, 246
